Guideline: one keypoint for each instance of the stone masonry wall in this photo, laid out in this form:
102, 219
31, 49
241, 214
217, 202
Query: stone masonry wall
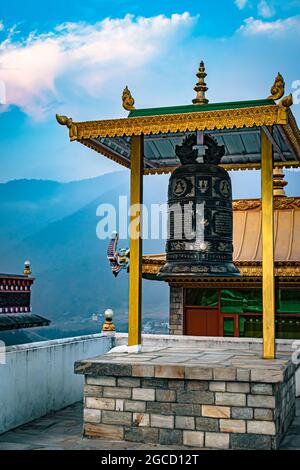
176, 311
224, 409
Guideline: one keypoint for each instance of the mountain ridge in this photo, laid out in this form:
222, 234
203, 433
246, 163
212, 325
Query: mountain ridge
54, 225
69, 262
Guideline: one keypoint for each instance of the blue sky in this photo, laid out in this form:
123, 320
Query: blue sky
75, 58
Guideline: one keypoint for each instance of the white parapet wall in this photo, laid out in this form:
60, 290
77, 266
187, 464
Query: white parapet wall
288, 346
38, 378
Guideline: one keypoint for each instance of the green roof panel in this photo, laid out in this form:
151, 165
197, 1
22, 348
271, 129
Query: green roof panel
192, 108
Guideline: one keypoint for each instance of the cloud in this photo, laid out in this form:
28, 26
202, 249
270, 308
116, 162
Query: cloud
265, 9
241, 3
83, 56
1, 25
253, 26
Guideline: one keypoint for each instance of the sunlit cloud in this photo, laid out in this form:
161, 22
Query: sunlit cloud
80, 70
254, 26
84, 55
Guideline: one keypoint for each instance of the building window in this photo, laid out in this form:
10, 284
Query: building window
228, 326
288, 301
241, 300
202, 297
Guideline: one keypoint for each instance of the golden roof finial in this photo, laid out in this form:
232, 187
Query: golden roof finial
27, 268
65, 121
127, 99
201, 87
279, 182
277, 90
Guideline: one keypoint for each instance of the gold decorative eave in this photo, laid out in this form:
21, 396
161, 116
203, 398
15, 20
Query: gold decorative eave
235, 283
292, 132
166, 123
280, 203
88, 132
290, 269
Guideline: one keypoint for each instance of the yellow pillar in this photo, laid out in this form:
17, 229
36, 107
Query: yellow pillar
135, 272
268, 280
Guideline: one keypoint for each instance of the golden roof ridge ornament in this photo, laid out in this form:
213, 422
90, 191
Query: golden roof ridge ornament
65, 121
127, 99
201, 87
287, 101
277, 90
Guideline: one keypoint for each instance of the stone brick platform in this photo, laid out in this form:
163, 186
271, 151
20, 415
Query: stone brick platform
222, 399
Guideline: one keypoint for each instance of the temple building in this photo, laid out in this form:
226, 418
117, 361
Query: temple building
232, 268
233, 307
245, 269
15, 302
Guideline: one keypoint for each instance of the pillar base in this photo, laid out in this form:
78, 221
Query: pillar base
188, 397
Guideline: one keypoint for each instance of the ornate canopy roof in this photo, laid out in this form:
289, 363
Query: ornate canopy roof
247, 239
237, 125
16, 321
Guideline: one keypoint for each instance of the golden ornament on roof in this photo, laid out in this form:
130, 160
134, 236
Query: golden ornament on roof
65, 121
287, 101
127, 99
27, 268
277, 90
201, 87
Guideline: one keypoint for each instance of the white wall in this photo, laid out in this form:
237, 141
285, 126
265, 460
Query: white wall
39, 377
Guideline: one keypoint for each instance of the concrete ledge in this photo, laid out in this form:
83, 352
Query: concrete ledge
208, 342
54, 343
191, 363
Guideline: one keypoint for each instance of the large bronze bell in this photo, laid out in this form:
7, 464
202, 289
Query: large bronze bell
199, 213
